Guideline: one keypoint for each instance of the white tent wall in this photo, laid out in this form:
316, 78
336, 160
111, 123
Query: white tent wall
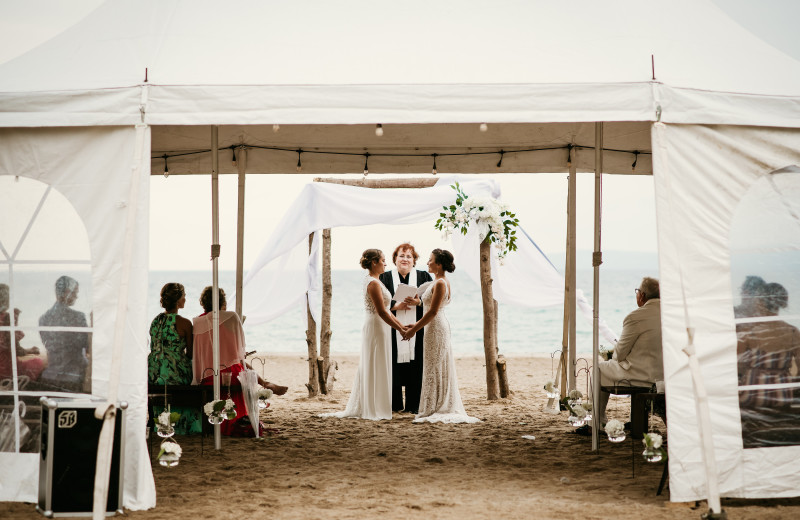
701, 174
92, 168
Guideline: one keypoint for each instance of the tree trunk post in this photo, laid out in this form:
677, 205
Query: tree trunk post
489, 322
311, 341
325, 328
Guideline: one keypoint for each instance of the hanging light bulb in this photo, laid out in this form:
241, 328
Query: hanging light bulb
16, 178
275, 128
635, 160
166, 168
379, 130
500, 162
233, 155
484, 127
366, 164
299, 164
434, 170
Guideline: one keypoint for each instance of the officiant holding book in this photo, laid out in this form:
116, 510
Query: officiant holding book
406, 355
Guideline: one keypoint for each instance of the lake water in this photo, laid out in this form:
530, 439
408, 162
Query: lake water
520, 330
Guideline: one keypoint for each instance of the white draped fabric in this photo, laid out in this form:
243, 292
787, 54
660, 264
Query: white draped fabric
527, 277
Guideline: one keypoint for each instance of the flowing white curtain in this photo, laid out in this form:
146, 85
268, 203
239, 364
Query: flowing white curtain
285, 272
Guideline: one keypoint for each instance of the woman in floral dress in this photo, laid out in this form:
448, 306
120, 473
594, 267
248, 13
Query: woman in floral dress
170, 359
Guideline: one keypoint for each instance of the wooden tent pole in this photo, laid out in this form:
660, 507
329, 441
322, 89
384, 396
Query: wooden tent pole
324, 360
311, 341
571, 273
241, 165
597, 259
489, 322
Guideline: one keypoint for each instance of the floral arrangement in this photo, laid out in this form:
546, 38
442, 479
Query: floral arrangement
170, 453
615, 428
653, 452
220, 409
494, 220
579, 411
264, 393
606, 354
167, 418
587, 406
574, 395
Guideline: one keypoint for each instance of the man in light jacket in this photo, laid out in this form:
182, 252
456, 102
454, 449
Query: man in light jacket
637, 359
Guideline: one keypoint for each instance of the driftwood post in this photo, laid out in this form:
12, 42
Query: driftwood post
326, 371
489, 323
311, 341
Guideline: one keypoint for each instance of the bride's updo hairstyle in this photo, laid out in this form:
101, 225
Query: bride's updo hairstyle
444, 258
369, 257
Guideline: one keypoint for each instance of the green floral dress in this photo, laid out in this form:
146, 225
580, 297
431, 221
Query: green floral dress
168, 364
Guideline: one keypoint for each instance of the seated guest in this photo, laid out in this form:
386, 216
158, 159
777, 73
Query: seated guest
170, 359
766, 352
26, 366
231, 358
67, 352
637, 359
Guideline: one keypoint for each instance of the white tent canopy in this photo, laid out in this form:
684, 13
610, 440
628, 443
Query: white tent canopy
540, 74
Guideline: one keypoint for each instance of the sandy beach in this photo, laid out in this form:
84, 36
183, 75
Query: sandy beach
344, 468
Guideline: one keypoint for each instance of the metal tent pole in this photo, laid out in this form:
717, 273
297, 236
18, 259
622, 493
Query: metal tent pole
597, 259
215, 270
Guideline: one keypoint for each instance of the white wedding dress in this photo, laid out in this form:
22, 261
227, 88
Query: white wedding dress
371, 397
440, 400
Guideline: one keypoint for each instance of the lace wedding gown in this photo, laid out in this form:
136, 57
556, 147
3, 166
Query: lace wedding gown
371, 397
440, 400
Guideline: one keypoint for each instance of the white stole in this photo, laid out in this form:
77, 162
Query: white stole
405, 348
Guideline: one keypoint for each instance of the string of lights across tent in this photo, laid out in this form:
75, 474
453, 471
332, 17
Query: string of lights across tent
379, 132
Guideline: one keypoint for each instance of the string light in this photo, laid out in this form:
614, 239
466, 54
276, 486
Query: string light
635, 160
233, 155
366, 164
434, 170
484, 127
276, 128
379, 130
500, 162
299, 164
166, 168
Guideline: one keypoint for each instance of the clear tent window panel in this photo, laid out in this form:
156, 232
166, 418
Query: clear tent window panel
45, 306
765, 284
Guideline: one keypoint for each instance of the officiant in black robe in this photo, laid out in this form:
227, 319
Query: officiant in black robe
406, 374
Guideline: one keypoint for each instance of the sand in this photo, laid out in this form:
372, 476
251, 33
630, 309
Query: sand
347, 468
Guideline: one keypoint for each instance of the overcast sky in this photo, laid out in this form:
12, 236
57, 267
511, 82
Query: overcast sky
180, 206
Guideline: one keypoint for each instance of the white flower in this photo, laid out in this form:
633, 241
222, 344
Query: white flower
549, 387
163, 418
579, 411
587, 406
652, 440
264, 393
171, 447
615, 428
208, 408
575, 394
229, 404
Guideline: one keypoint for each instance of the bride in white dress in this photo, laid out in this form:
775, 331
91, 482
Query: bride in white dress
371, 397
440, 400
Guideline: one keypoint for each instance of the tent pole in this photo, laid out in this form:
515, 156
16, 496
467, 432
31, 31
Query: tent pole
571, 273
565, 336
597, 259
215, 270
241, 165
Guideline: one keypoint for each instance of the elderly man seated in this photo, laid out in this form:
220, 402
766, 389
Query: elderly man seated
637, 359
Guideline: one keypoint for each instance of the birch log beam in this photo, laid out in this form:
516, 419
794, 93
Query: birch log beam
489, 323
327, 297
311, 341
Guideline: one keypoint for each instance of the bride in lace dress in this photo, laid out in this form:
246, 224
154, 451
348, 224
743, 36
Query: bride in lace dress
440, 400
371, 397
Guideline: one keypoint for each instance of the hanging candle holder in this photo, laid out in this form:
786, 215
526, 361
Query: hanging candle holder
170, 453
615, 430
652, 447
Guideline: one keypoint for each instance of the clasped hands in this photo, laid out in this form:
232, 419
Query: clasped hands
406, 333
